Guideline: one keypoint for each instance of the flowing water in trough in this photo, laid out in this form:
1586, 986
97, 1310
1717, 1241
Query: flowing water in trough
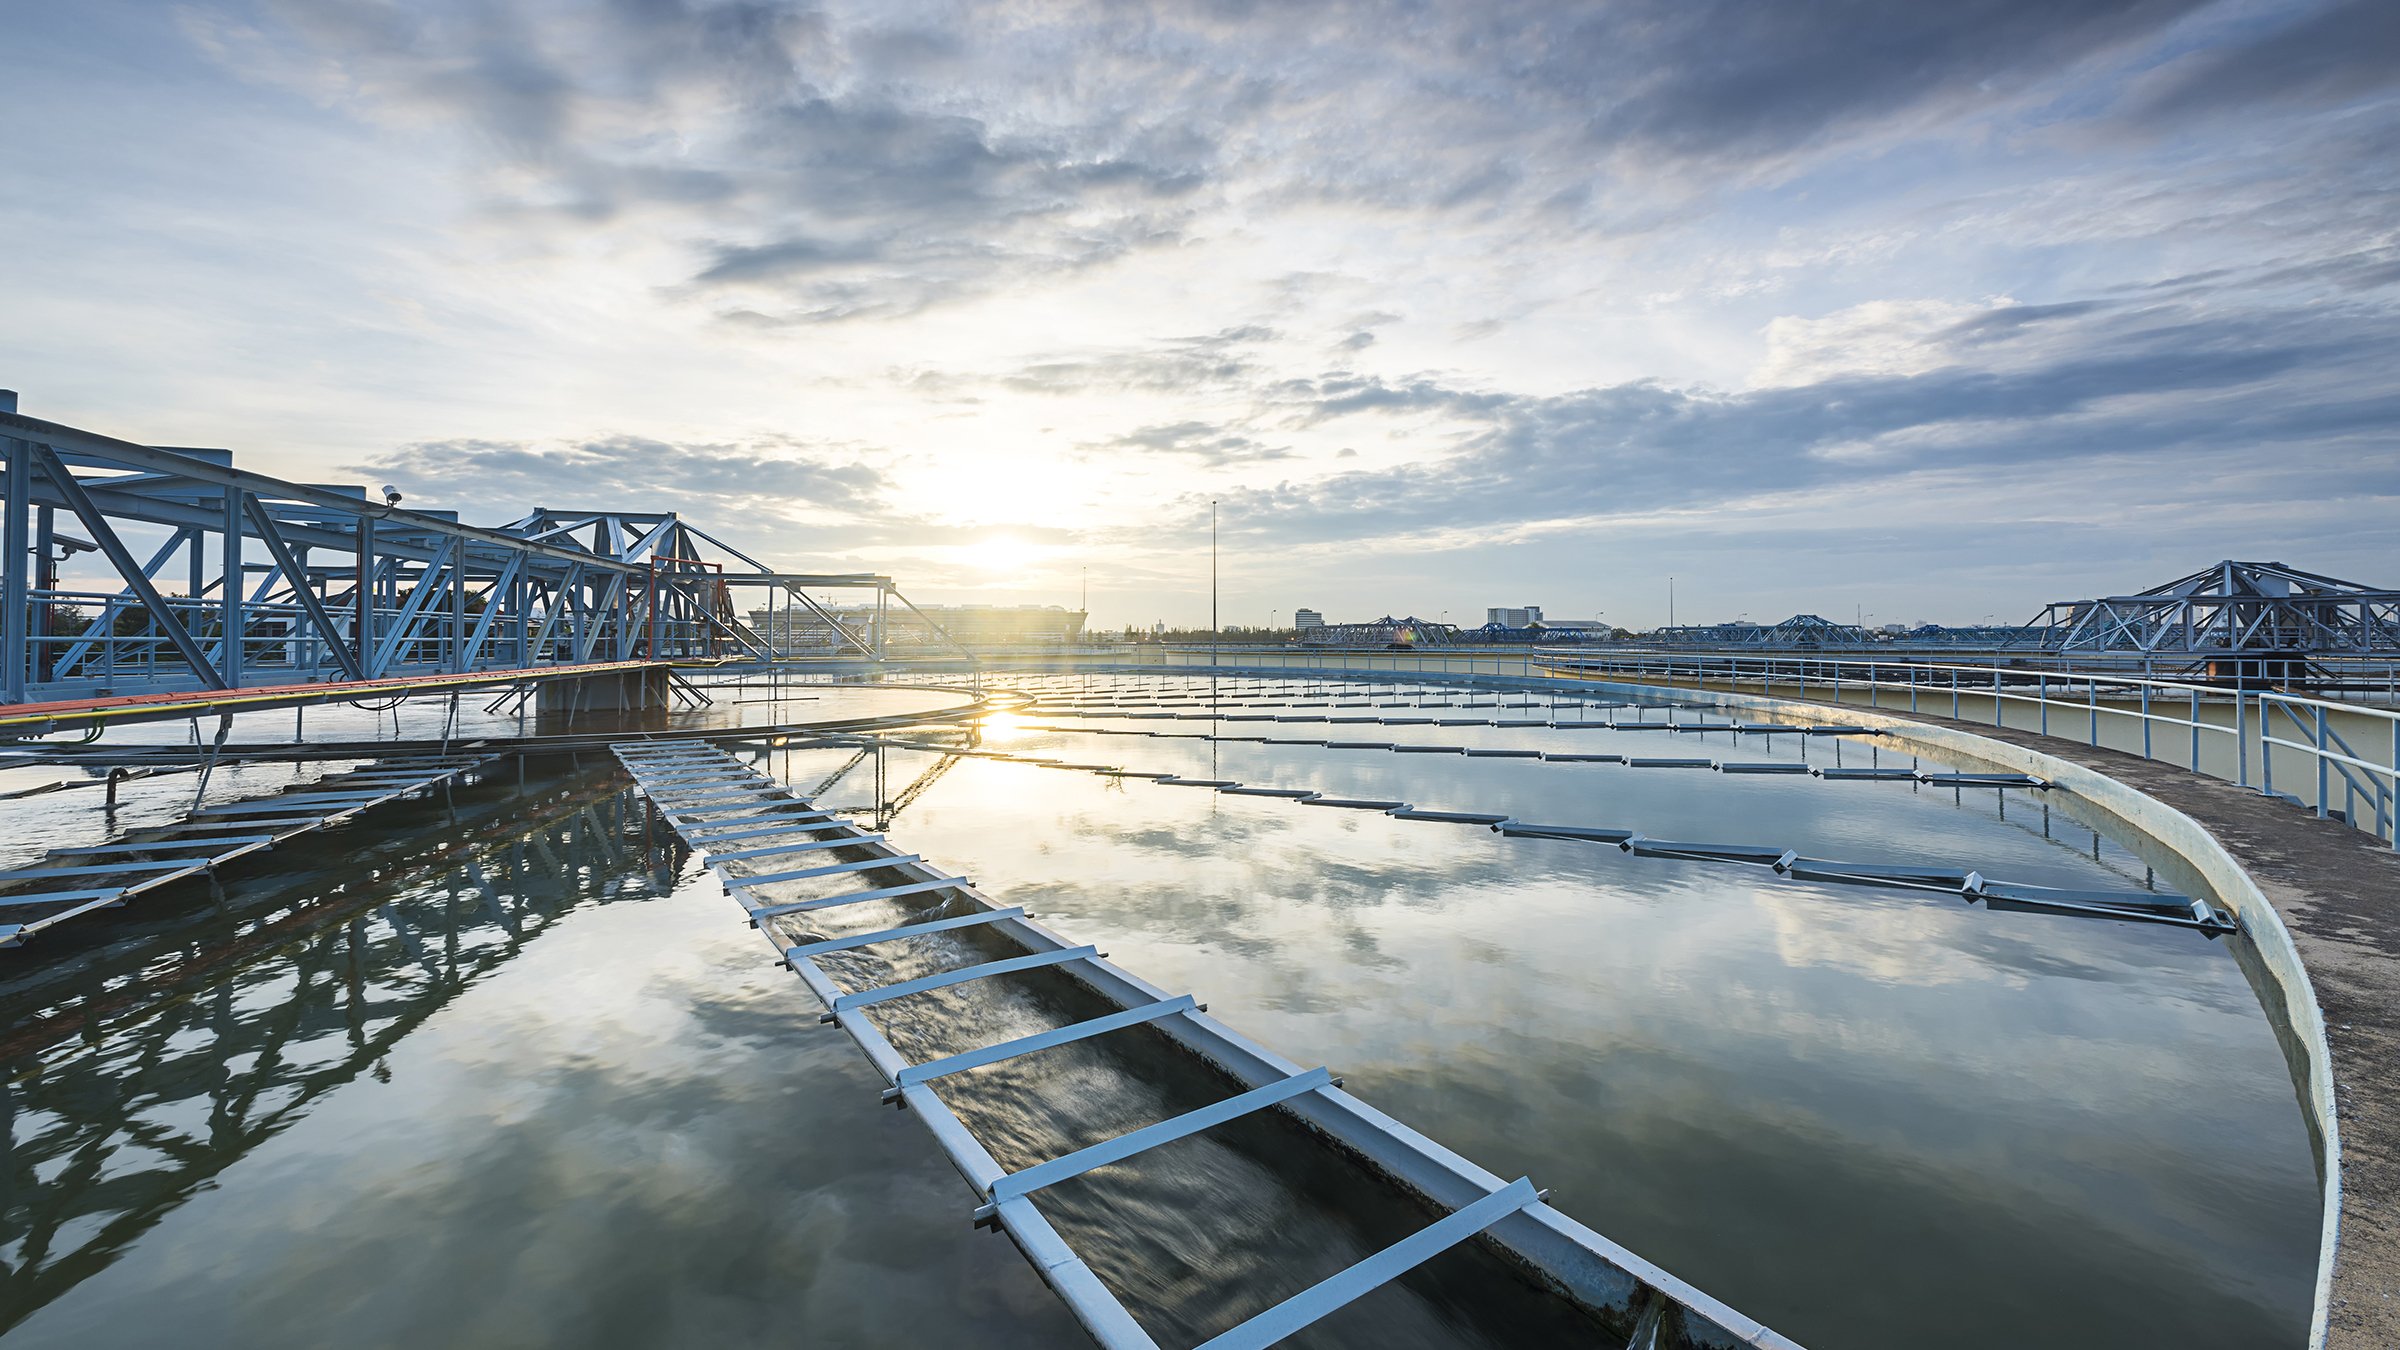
362, 1102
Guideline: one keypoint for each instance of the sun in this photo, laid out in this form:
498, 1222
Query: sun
1003, 554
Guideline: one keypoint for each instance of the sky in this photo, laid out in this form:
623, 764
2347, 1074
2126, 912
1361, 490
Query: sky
1896, 311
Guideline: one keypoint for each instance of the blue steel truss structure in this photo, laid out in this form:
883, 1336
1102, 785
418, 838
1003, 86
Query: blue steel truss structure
222, 579
2232, 609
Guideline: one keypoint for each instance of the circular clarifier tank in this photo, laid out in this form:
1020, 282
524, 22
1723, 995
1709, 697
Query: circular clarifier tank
1868, 1116
505, 1066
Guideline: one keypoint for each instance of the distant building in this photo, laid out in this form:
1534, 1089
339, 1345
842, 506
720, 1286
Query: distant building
1305, 619
1526, 617
798, 631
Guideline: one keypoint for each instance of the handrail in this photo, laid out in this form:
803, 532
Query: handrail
2097, 707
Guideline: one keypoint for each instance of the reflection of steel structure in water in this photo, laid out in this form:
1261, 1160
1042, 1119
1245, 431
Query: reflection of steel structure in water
223, 579
2233, 610
211, 1050
887, 806
69, 883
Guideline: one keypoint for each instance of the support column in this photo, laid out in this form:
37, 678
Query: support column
14, 540
614, 691
362, 625
520, 590
229, 661
45, 584
196, 572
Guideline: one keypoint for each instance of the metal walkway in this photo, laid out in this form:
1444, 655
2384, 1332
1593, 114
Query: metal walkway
93, 714
69, 883
744, 819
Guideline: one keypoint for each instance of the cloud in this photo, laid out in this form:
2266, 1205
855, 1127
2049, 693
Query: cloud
828, 162
1201, 442
801, 160
1880, 337
2163, 385
2327, 55
633, 473
1487, 277
1186, 365
1728, 79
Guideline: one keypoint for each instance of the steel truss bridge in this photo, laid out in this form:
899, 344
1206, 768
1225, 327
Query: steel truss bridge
2261, 620
2233, 609
219, 579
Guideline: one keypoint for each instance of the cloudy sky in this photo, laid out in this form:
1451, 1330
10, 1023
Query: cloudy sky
1920, 311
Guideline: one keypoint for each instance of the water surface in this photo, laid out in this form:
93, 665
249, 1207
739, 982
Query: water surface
371, 1096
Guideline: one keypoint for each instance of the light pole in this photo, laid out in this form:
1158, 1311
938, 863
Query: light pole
1212, 583
1670, 600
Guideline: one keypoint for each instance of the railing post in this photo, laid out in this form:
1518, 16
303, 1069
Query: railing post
2324, 765
2091, 687
2145, 719
2195, 720
2041, 698
2241, 740
2266, 749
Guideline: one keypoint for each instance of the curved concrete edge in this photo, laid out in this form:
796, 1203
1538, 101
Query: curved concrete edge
2187, 840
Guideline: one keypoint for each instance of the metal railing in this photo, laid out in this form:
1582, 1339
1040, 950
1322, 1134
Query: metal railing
2335, 758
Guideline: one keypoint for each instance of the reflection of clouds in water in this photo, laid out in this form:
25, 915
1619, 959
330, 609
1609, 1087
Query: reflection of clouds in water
2062, 1098
1901, 942
628, 1138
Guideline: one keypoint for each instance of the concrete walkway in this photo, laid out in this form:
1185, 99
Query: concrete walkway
2338, 891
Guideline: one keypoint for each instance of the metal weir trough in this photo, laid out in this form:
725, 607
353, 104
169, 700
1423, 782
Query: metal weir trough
2157, 907
700, 788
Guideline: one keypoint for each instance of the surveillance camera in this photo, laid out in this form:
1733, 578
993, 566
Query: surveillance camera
391, 495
